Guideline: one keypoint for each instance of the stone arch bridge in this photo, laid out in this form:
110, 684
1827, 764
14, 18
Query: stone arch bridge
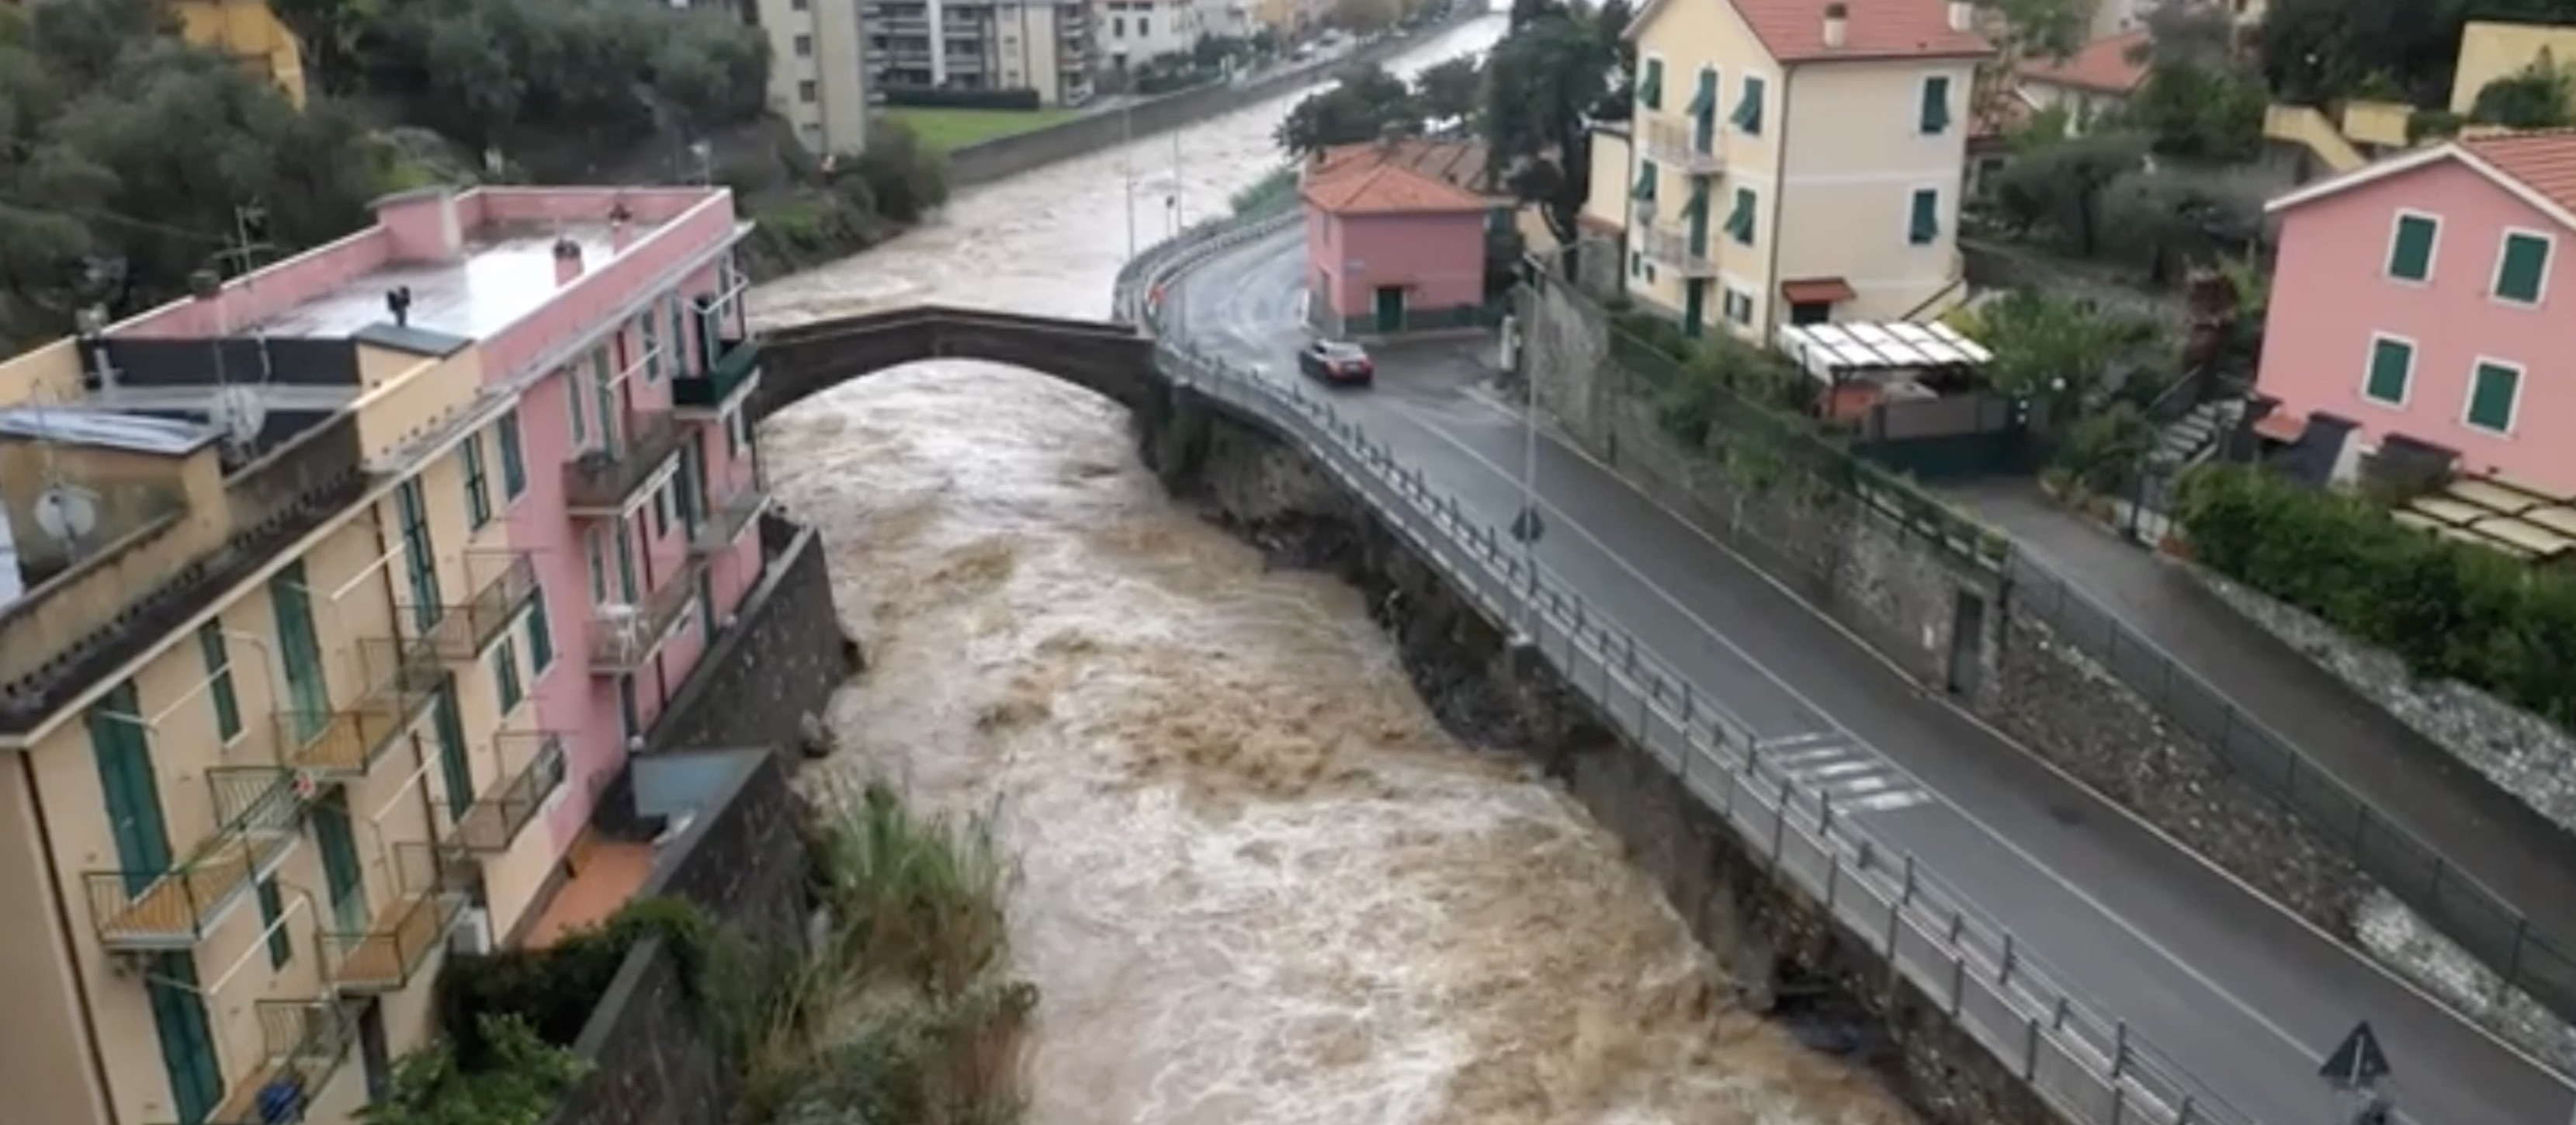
1114, 360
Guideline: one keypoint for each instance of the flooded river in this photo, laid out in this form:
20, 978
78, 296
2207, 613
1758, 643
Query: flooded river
1261, 886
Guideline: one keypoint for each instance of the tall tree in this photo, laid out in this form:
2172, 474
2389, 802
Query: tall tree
1449, 89
1541, 84
1365, 104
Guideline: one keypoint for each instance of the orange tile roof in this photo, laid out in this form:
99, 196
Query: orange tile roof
2113, 64
1378, 179
2544, 160
1793, 31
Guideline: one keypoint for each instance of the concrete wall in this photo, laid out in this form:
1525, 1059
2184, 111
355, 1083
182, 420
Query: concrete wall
1774, 940
1898, 591
1009, 156
774, 671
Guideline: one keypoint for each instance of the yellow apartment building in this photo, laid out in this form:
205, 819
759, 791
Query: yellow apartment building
251, 33
266, 746
1796, 162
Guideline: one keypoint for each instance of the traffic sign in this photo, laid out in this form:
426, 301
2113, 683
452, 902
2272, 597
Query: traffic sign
2358, 1062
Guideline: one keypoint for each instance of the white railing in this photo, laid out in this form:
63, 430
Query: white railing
2081, 1060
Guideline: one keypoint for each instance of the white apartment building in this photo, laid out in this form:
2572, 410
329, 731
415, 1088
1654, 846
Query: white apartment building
1137, 30
1041, 45
818, 73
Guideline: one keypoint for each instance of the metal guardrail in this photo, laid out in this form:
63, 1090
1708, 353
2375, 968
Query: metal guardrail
2084, 1062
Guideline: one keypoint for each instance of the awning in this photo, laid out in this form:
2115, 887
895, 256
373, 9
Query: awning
1816, 291
2281, 426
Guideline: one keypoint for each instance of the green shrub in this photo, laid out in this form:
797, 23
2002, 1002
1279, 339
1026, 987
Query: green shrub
2449, 610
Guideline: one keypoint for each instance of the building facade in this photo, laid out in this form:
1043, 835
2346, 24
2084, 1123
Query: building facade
2410, 300
1136, 31
347, 586
1042, 45
1797, 162
818, 73
1393, 244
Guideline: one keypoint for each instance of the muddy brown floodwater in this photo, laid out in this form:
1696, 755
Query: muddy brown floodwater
1260, 885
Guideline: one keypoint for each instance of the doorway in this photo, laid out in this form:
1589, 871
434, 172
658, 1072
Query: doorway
1390, 308
1967, 631
1811, 312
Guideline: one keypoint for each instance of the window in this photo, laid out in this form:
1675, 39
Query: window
1644, 192
505, 675
301, 652
2410, 246
478, 488
804, 46
1935, 117
1739, 221
805, 91
219, 680
187, 1041
272, 906
1118, 27
1748, 107
573, 395
2392, 366
2522, 268
1703, 104
1923, 222
1144, 26
662, 510
514, 462
1650, 88
420, 561
2493, 389
1739, 306
541, 635
733, 434
652, 336
598, 569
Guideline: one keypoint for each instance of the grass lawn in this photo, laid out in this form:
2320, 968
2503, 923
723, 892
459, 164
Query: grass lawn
946, 129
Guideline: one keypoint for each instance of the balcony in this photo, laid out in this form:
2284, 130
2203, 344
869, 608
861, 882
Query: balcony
403, 935
602, 482
345, 743
503, 583
727, 517
260, 821
731, 371
492, 824
1673, 142
302, 1044
1669, 246
623, 638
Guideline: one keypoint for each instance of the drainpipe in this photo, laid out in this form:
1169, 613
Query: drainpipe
1779, 205
104, 1089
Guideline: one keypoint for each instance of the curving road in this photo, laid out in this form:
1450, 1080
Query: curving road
2236, 991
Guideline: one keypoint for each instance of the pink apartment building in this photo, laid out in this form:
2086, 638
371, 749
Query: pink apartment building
1394, 241
2416, 300
611, 322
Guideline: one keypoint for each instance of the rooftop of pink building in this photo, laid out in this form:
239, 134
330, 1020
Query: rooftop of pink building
501, 274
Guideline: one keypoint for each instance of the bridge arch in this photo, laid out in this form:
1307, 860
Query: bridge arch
1113, 360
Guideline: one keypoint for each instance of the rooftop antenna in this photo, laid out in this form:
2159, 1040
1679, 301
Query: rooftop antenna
237, 412
66, 512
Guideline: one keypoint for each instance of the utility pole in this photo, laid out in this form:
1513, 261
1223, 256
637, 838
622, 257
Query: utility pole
1127, 168
1179, 219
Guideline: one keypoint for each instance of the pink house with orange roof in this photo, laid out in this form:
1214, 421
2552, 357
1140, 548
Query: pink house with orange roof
1395, 241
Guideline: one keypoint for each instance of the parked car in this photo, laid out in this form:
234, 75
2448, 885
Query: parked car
1337, 361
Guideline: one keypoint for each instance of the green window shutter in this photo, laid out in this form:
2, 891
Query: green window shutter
1644, 192
454, 768
2522, 268
541, 635
2410, 249
1739, 222
1924, 224
2491, 395
309, 695
1697, 212
342, 874
514, 460
1936, 105
1704, 98
478, 488
418, 556
219, 680
187, 1039
1650, 89
1748, 109
131, 786
272, 906
505, 675
2392, 363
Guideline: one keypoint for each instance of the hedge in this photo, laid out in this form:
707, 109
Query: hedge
2449, 610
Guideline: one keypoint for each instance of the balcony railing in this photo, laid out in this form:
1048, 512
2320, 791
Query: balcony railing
347, 742
1669, 245
302, 1043
503, 582
731, 370
1673, 142
603, 481
726, 518
624, 637
492, 824
259, 821
403, 934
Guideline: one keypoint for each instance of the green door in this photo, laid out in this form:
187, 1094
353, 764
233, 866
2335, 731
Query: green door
301, 651
133, 794
1694, 306
452, 764
187, 1044
1390, 308
340, 869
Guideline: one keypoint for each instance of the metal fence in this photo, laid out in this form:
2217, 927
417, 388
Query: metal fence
2075, 1056
2453, 901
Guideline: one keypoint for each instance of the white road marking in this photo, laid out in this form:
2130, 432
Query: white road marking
1851, 778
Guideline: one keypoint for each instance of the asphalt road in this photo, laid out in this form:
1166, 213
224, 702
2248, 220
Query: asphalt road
2238, 992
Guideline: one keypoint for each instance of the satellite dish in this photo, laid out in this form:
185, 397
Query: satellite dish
239, 413
66, 513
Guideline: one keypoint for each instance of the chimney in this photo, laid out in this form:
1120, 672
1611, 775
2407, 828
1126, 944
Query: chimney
1963, 15
398, 302
205, 285
1837, 15
621, 227
567, 261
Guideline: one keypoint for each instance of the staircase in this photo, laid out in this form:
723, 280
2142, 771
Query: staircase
2188, 439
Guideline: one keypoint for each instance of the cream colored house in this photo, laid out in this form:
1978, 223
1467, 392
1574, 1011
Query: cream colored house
818, 74
1797, 160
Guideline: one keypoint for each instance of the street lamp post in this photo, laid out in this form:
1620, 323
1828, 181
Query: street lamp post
1127, 169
